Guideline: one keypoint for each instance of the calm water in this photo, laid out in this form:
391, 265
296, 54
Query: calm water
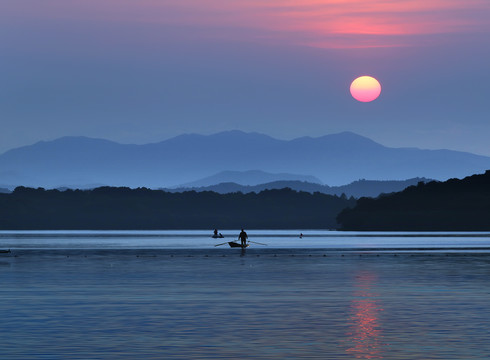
174, 295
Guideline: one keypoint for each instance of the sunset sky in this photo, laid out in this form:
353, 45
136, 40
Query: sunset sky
139, 71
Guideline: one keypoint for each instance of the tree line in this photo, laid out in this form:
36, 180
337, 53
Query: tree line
121, 208
453, 205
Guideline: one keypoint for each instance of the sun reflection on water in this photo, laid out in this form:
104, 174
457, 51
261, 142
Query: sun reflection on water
366, 333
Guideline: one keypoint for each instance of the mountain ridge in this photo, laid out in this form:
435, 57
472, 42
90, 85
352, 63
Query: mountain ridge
247, 178
335, 159
356, 189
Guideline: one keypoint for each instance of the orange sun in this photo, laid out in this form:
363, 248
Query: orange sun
365, 89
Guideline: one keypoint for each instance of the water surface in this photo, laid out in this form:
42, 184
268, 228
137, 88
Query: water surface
173, 295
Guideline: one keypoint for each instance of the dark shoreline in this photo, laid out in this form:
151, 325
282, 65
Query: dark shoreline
108, 208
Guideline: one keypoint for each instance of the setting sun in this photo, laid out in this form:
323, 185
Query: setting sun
365, 89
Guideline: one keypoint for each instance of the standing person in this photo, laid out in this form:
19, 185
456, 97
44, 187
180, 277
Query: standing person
243, 238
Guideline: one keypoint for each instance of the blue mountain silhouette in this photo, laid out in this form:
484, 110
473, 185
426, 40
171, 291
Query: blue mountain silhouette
335, 159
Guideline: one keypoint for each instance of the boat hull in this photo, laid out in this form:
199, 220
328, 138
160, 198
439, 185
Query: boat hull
236, 245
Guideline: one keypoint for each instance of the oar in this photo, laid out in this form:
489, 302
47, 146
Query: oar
221, 244
257, 243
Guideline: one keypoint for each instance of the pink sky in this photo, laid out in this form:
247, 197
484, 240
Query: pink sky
141, 71
319, 23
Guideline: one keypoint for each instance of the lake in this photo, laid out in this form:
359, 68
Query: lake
174, 295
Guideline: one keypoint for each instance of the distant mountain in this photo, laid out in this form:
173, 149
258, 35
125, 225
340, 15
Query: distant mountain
250, 178
454, 205
357, 189
79, 187
334, 159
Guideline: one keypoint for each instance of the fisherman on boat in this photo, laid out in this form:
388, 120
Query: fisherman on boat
243, 238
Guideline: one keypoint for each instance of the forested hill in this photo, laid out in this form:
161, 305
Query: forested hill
109, 208
453, 205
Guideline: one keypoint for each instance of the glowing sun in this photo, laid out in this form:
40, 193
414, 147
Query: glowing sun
365, 89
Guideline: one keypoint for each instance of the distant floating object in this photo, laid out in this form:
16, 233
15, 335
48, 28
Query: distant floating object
365, 89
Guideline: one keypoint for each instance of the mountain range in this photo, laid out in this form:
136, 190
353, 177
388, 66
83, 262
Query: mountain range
357, 189
248, 178
335, 159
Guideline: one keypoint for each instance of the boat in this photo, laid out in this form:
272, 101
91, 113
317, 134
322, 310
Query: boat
5, 251
234, 244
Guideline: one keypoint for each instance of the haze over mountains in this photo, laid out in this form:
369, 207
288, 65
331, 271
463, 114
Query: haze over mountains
357, 189
335, 159
248, 178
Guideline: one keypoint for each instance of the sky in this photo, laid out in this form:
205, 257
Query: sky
141, 71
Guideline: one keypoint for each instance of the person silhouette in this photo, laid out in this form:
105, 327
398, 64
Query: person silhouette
243, 238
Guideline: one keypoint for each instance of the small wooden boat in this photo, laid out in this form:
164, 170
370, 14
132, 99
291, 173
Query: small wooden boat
5, 251
234, 244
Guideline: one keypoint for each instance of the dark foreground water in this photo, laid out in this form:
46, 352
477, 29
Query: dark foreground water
166, 302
